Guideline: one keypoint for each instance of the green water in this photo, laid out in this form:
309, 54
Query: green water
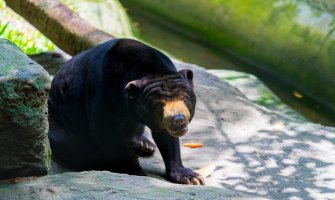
186, 47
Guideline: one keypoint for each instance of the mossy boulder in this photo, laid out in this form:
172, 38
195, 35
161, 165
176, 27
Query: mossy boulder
24, 86
293, 40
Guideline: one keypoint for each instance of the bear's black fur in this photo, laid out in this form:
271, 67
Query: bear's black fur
101, 99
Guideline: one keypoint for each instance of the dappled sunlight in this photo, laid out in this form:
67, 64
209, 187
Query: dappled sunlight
255, 91
288, 171
257, 143
253, 154
288, 165
256, 151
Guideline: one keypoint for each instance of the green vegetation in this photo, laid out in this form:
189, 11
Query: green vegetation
108, 16
14, 28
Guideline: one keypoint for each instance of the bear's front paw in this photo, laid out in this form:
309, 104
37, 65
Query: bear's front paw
186, 176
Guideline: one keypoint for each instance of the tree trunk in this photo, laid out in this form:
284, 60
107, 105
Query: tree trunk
60, 24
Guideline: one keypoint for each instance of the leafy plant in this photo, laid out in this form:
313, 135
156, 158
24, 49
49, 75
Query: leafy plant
16, 29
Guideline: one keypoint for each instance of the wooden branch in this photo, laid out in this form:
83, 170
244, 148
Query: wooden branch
60, 24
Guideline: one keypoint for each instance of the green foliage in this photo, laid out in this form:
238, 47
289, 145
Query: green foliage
14, 28
108, 16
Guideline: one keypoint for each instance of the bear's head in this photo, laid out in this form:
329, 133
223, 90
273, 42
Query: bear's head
163, 102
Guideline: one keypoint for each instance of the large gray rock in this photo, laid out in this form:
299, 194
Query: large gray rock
106, 185
255, 150
272, 152
24, 86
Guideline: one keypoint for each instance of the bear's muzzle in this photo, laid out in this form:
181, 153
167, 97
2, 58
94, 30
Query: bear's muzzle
176, 117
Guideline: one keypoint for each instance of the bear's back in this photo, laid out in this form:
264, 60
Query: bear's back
102, 71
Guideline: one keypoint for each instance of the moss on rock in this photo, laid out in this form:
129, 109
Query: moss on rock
24, 87
292, 39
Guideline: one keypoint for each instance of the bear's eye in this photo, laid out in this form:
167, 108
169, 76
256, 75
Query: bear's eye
186, 100
159, 106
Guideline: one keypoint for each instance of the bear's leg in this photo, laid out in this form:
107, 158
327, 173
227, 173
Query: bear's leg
108, 129
71, 151
170, 149
112, 138
141, 145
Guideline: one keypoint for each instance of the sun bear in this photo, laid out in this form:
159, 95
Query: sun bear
101, 100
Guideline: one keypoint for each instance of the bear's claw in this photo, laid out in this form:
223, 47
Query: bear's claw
186, 176
142, 147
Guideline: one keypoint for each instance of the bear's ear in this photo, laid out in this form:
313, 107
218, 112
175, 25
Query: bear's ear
132, 88
188, 75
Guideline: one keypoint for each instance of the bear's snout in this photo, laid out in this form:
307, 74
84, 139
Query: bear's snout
178, 125
176, 117
178, 121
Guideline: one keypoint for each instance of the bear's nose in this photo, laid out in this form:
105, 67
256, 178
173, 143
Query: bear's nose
178, 120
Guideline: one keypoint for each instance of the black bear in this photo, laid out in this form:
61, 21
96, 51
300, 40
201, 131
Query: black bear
101, 99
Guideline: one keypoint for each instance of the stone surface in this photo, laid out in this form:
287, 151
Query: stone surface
256, 91
255, 150
24, 86
106, 185
267, 151
51, 61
